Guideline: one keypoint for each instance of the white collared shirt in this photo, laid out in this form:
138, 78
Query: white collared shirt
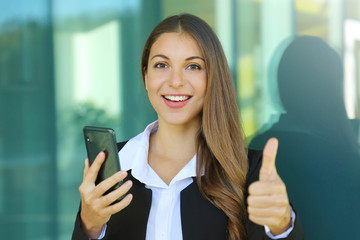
164, 218
164, 222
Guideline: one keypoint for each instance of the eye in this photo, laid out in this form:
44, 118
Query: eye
160, 65
194, 67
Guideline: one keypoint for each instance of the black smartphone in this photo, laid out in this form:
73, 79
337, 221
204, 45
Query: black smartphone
98, 139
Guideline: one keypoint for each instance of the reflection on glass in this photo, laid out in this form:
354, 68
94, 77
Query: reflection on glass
318, 155
28, 186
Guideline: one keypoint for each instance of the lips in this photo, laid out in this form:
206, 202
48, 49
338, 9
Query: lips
176, 101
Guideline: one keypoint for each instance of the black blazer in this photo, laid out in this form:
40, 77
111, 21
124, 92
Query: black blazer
199, 218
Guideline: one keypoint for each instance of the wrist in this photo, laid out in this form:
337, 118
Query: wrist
90, 230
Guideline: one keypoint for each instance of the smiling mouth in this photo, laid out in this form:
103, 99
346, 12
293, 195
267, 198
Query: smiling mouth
176, 98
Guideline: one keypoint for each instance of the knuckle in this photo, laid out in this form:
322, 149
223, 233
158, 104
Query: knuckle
82, 189
102, 187
250, 210
283, 187
106, 184
104, 214
107, 198
252, 188
284, 211
117, 177
115, 208
285, 201
280, 188
254, 219
249, 200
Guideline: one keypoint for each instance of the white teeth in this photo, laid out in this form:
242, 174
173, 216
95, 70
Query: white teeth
177, 98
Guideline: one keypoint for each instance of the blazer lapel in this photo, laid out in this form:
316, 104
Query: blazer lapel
200, 219
131, 222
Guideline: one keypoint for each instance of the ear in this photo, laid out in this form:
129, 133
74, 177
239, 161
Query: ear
145, 81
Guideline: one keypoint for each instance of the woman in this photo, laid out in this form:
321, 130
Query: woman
189, 172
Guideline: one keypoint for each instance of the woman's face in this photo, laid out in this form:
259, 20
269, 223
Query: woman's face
176, 79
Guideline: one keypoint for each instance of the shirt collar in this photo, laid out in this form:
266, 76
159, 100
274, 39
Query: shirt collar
134, 156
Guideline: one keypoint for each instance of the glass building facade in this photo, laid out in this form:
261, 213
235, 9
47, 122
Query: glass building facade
66, 64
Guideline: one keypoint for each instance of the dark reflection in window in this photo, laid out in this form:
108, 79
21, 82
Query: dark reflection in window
318, 155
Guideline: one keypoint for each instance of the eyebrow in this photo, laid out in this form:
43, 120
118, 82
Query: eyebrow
187, 59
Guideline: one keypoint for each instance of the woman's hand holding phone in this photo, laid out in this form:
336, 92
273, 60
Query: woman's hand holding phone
97, 208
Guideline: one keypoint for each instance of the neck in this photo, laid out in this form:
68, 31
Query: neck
175, 142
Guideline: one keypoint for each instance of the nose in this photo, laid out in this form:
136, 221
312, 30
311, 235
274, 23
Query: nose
176, 79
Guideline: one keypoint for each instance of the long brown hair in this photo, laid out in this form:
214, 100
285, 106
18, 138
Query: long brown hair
221, 149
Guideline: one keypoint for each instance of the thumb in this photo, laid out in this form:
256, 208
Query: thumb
268, 167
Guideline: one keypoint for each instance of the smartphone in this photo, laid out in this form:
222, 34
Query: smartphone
98, 139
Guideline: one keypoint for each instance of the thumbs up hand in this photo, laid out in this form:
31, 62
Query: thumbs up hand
268, 202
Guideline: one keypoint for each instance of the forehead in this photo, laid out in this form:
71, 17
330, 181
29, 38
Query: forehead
176, 44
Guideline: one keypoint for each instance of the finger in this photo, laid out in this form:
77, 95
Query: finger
116, 194
86, 168
112, 209
269, 156
106, 184
267, 201
264, 188
94, 168
271, 212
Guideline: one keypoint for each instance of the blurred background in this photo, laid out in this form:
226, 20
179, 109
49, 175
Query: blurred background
65, 64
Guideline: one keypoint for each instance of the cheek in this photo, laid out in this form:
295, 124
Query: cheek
154, 81
202, 85
153, 87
